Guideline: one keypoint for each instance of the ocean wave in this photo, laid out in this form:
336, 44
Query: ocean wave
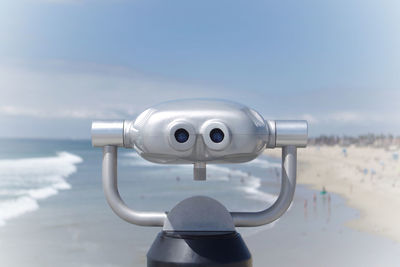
25, 181
250, 184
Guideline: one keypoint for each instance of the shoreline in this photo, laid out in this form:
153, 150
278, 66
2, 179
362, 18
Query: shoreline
368, 179
62, 228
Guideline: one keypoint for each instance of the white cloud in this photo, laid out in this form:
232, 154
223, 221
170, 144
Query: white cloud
346, 117
62, 90
350, 117
47, 113
56, 92
309, 118
18, 111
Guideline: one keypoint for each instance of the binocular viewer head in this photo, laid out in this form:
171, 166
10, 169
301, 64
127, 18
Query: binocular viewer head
199, 131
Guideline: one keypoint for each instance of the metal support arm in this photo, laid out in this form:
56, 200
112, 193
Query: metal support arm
240, 219
288, 185
110, 188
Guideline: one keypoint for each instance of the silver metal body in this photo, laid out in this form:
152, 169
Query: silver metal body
246, 135
110, 187
152, 133
107, 133
288, 186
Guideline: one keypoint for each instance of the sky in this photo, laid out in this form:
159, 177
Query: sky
64, 63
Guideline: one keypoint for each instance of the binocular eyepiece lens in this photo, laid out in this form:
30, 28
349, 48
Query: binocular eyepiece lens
181, 135
217, 135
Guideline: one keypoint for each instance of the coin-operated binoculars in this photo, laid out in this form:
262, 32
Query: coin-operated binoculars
199, 231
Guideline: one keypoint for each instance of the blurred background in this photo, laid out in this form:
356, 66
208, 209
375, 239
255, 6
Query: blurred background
64, 63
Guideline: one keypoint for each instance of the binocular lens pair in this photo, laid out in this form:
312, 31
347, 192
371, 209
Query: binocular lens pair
216, 135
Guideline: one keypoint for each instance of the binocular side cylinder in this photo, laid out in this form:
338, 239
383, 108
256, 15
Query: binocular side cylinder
106, 133
281, 133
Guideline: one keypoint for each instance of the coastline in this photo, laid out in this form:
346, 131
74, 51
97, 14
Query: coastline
76, 227
368, 178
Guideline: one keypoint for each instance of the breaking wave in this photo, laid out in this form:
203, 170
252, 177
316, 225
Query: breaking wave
23, 182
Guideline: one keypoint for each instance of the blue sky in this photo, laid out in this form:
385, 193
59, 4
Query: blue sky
64, 63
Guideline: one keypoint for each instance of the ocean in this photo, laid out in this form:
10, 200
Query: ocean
53, 212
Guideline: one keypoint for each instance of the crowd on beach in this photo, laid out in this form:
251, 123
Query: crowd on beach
364, 170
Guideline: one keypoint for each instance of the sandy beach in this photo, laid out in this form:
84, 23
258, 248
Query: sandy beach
368, 178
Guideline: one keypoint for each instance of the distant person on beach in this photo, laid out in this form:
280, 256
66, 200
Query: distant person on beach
344, 151
373, 172
382, 164
323, 191
329, 209
315, 203
305, 209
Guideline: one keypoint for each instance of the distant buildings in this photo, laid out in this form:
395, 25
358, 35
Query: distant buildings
385, 141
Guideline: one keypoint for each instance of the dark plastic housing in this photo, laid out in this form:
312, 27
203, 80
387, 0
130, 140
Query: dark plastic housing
199, 249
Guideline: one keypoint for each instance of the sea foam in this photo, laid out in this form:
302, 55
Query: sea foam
25, 181
251, 185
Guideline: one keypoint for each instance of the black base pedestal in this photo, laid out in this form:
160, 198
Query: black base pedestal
199, 249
